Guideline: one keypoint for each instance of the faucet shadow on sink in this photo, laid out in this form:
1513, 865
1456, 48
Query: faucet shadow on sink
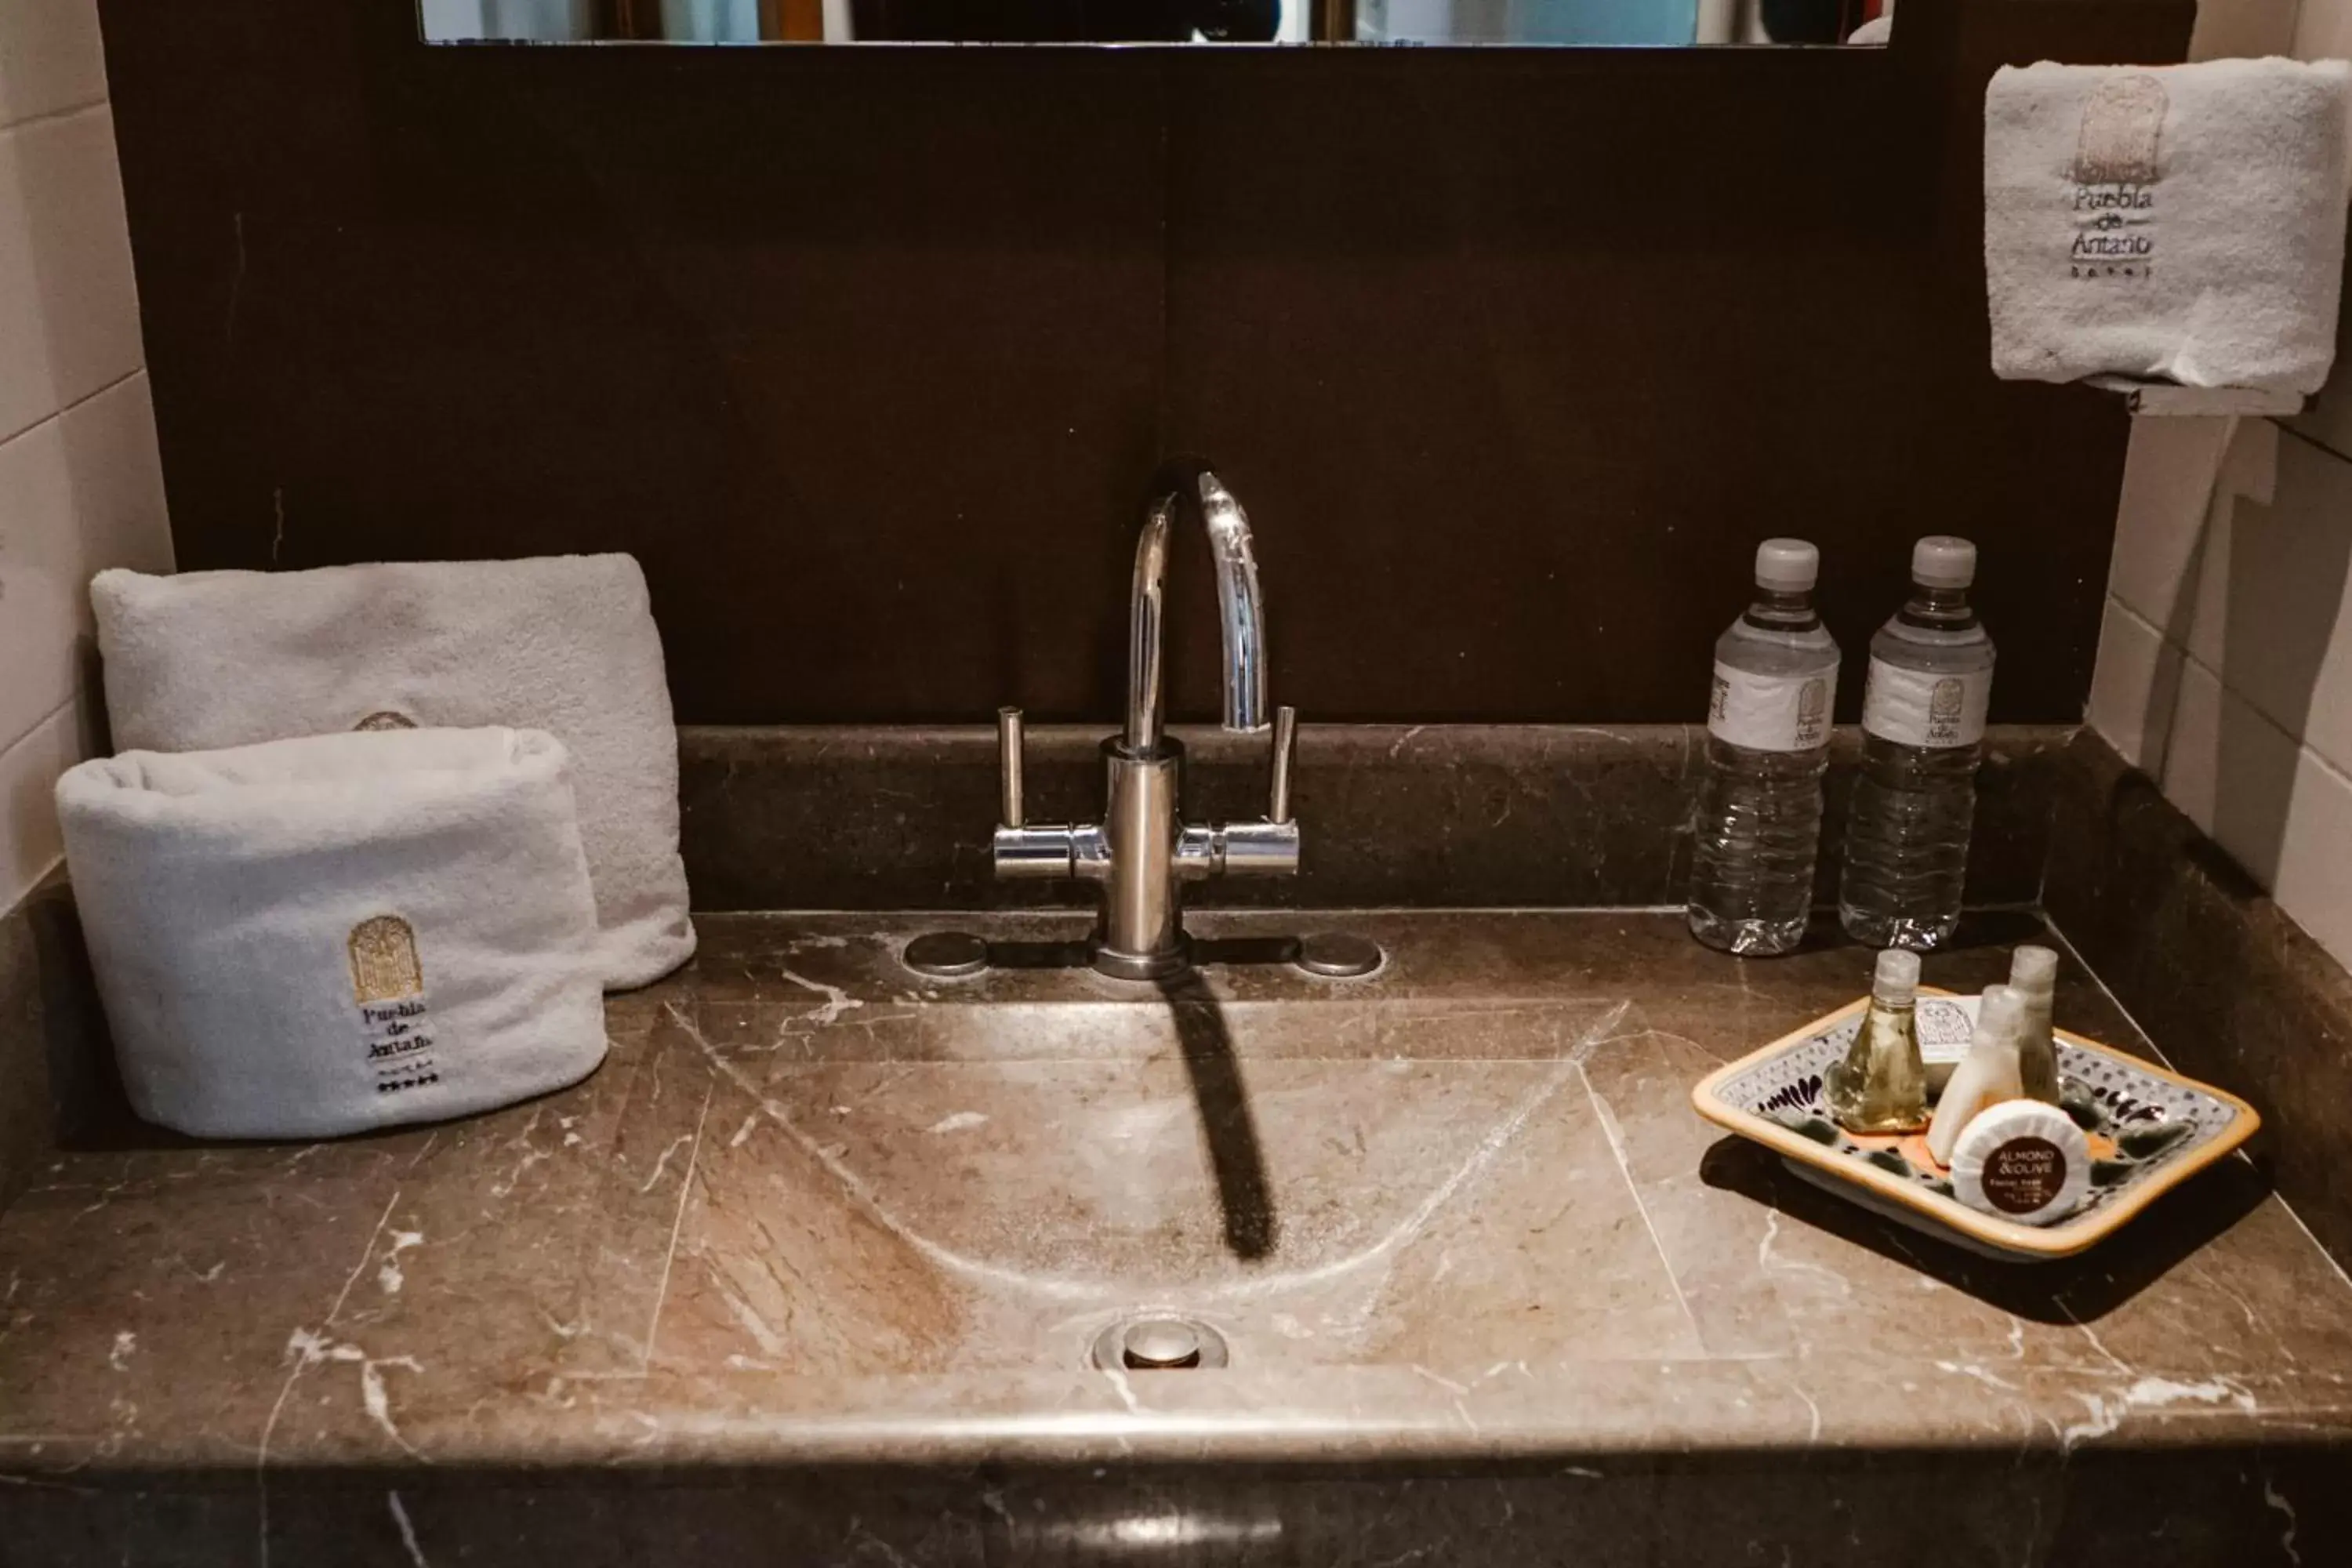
1228, 1128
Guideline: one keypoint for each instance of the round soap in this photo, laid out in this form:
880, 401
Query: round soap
2023, 1161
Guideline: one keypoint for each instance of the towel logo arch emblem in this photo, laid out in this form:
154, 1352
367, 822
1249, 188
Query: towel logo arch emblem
385, 719
2115, 169
388, 984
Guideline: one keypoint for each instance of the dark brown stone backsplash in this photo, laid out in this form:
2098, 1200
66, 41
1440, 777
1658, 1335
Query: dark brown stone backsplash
1513, 355
1456, 815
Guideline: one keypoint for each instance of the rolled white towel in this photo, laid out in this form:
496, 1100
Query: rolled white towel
565, 644
2182, 224
317, 936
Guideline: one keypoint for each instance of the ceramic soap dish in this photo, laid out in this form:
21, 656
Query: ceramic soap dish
2149, 1131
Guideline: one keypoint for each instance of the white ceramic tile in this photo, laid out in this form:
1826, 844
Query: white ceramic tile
118, 479
38, 551
2281, 810
2172, 472
77, 493
2192, 752
2272, 607
2314, 874
2231, 771
2323, 28
27, 385
2135, 688
2226, 29
50, 58
29, 846
68, 307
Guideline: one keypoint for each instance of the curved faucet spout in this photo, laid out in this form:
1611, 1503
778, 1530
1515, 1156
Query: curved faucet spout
1143, 852
1241, 610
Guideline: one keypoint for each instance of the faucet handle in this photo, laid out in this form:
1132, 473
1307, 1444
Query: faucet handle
1008, 763
1286, 741
1018, 850
1267, 848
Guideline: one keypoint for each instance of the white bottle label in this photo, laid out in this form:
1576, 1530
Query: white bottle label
1914, 707
1771, 712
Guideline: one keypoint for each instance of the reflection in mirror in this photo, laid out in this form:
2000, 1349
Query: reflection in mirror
1445, 22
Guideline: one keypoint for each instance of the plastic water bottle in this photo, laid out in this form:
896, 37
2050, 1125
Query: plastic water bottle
1758, 824
1923, 720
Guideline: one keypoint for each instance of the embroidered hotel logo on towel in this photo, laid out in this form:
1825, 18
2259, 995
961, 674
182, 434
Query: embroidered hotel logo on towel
388, 983
2115, 173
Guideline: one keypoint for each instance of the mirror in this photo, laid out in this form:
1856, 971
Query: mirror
1511, 23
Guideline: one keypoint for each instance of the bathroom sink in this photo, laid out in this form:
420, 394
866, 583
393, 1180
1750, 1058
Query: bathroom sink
816, 1268
1317, 1179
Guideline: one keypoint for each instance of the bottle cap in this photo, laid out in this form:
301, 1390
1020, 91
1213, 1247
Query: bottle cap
2000, 1016
1897, 979
2034, 970
1941, 561
1787, 567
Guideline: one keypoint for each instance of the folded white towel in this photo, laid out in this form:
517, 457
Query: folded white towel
565, 644
2179, 224
316, 936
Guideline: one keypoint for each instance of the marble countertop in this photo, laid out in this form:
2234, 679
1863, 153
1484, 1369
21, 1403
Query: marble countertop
812, 1208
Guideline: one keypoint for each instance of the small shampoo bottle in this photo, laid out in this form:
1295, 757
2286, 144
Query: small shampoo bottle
1882, 1085
2034, 972
1990, 1074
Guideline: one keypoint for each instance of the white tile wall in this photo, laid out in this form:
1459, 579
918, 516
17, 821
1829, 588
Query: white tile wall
2225, 658
49, 57
2273, 601
80, 484
2137, 686
69, 310
28, 770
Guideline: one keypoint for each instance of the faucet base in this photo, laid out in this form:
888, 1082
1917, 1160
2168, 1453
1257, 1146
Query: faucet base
1161, 965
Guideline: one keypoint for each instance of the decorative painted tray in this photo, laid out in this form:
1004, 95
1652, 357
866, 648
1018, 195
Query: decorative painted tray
2149, 1131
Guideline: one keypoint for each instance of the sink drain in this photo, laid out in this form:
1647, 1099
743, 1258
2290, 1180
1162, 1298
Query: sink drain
1158, 1344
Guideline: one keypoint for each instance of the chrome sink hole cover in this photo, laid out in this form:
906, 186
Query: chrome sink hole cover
1160, 1342
1340, 955
947, 955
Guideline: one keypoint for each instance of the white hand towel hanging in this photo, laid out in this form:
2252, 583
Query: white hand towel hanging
2181, 223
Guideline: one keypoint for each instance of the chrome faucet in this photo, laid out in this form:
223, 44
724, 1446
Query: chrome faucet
1143, 850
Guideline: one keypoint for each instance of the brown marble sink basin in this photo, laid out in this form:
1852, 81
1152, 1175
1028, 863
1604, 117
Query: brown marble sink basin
987, 1184
817, 1259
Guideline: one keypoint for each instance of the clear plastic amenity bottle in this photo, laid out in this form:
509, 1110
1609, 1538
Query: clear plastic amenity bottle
1923, 720
1758, 824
